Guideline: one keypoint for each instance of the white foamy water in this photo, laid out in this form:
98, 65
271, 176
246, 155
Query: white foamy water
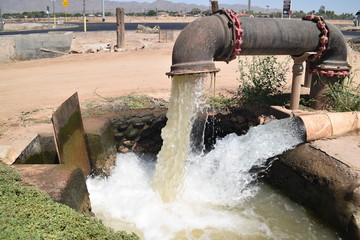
221, 198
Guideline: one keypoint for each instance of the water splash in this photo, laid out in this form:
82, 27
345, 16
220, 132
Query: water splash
223, 176
221, 198
189, 195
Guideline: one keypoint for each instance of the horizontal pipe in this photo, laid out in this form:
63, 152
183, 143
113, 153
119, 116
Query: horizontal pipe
212, 38
264, 36
326, 125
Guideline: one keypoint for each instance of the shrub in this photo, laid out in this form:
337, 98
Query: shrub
344, 96
260, 79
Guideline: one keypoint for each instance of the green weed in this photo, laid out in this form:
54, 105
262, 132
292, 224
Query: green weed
260, 79
344, 96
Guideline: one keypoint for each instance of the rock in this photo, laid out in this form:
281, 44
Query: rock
261, 119
138, 125
119, 136
251, 124
128, 143
123, 149
89, 51
131, 133
269, 119
240, 119
122, 127
233, 119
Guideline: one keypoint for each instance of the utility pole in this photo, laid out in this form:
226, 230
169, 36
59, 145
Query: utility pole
1, 22
103, 10
84, 16
120, 27
249, 6
54, 12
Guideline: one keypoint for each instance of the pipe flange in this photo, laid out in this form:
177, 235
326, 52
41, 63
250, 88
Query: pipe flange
238, 32
330, 73
324, 37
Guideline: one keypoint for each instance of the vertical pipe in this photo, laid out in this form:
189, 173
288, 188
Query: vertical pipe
308, 77
296, 83
319, 88
214, 6
120, 27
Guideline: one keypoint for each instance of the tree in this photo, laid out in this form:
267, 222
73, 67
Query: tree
195, 11
206, 12
322, 10
151, 13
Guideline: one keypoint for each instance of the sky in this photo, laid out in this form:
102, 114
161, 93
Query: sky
338, 6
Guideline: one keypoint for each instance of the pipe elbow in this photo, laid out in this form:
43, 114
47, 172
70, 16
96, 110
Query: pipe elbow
202, 41
335, 56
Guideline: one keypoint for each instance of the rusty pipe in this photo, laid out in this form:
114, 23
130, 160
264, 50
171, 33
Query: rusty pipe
212, 38
325, 125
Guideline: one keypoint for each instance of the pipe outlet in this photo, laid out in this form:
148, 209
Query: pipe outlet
199, 43
326, 125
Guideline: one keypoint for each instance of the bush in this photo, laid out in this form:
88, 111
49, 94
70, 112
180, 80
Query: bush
29, 214
221, 103
344, 96
260, 79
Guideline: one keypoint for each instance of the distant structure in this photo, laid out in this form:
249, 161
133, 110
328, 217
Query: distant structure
357, 19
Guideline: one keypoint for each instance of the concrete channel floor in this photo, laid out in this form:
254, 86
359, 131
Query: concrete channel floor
345, 149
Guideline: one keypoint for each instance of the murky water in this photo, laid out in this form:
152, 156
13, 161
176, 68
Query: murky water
187, 102
188, 195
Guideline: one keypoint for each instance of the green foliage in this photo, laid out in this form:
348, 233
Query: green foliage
221, 102
206, 13
344, 96
260, 79
131, 101
151, 13
29, 214
195, 11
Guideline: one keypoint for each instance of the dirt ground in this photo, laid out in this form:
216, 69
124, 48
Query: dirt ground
30, 91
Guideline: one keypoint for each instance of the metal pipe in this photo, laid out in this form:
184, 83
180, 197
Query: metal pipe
308, 77
335, 56
199, 43
296, 83
212, 38
326, 125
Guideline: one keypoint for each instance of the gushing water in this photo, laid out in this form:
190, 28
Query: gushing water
189, 195
186, 103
